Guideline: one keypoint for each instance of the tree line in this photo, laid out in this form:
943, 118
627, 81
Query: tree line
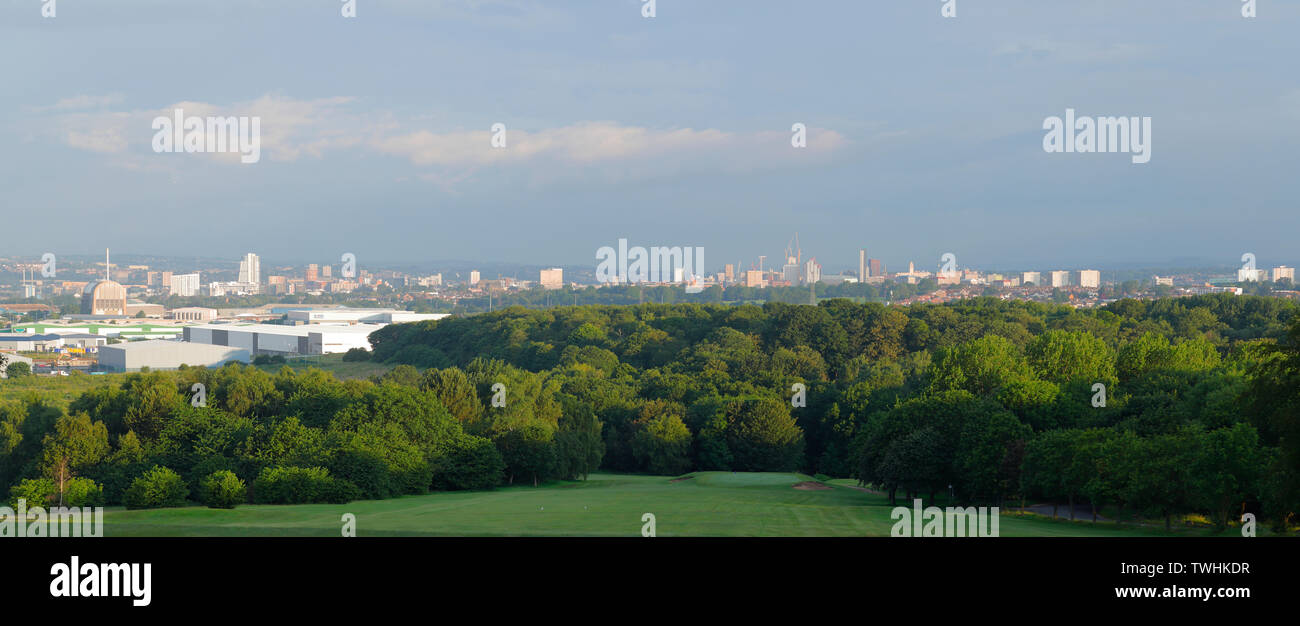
983, 401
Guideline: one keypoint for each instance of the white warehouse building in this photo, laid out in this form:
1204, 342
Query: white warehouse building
359, 316
283, 340
166, 354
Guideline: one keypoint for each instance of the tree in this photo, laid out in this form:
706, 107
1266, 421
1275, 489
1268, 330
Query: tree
1041, 476
1163, 478
762, 436
1231, 464
579, 446
984, 443
472, 463
454, 390
662, 444
1272, 400
17, 369
529, 451
981, 367
1061, 356
915, 464
77, 443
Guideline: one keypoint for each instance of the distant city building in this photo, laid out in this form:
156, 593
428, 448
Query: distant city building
184, 285
250, 269
1283, 272
754, 278
729, 272
1251, 275
1060, 278
552, 278
231, 289
836, 279
136, 307
812, 272
1167, 281
790, 271
1090, 278
104, 297
473, 278
193, 314
1034, 278
327, 271
875, 268
862, 265
313, 273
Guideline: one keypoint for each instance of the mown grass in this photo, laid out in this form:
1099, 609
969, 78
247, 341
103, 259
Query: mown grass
708, 504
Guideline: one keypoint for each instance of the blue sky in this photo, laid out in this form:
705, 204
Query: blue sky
925, 133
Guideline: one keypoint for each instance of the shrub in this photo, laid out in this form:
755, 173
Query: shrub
302, 485
80, 491
44, 492
223, 490
356, 354
207, 467
36, 491
156, 488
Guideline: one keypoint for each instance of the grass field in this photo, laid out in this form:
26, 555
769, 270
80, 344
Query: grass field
54, 390
709, 504
334, 364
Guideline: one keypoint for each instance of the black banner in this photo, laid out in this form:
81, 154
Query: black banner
328, 576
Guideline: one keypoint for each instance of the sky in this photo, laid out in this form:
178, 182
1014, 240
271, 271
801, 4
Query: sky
924, 133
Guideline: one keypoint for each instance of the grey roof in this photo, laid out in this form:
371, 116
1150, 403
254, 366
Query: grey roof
27, 337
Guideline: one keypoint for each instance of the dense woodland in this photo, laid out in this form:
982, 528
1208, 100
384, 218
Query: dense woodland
996, 399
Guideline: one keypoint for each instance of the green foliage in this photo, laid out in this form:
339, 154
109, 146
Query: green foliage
302, 485
990, 397
44, 492
471, 463
156, 488
223, 490
762, 436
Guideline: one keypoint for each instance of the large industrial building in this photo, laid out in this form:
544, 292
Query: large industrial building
103, 297
30, 342
358, 316
165, 354
276, 339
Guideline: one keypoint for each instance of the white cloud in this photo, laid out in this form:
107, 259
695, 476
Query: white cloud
617, 150
292, 129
